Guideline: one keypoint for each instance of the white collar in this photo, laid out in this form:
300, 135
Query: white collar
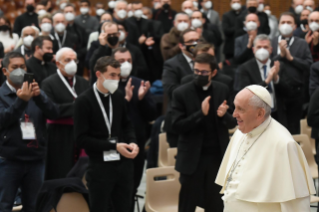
51, 36
11, 87
258, 130
189, 60
205, 88
260, 65
104, 94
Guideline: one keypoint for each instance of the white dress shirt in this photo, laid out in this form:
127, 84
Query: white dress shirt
11, 87
189, 61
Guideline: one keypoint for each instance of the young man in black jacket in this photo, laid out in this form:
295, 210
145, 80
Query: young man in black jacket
24, 109
103, 129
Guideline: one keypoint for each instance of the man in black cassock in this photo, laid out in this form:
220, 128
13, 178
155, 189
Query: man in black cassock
63, 88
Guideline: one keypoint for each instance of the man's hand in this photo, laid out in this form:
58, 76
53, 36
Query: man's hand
308, 37
252, 36
205, 105
142, 39
276, 69
35, 88
283, 48
288, 55
124, 148
222, 109
25, 93
144, 87
129, 90
134, 150
149, 41
102, 38
315, 38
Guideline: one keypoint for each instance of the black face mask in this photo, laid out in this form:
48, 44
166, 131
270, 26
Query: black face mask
166, 6
252, 9
4, 28
47, 57
50, 9
113, 40
304, 22
30, 8
201, 80
190, 48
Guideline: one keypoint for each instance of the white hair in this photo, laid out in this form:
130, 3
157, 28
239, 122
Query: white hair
33, 27
262, 37
62, 51
120, 1
257, 102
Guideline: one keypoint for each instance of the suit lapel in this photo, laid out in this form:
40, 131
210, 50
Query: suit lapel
194, 94
186, 68
256, 71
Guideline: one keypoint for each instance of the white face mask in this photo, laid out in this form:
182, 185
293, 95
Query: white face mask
262, 54
195, 3
63, 5
84, 10
60, 27
121, 14
42, 12
196, 23
182, 26
99, 12
314, 26
268, 12
69, 16
111, 4
236, 6
70, 68
126, 69
260, 7
285, 29
298, 9
46, 27
110, 85
130, 14
122, 36
309, 8
208, 4
28, 40
250, 26
188, 12
138, 13
144, 16
155, 5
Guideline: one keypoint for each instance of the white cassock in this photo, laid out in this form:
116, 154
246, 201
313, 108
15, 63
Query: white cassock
273, 176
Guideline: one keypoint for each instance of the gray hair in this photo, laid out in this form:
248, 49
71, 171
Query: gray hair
181, 13
261, 37
62, 51
57, 14
257, 102
119, 1
148, 9
33, 27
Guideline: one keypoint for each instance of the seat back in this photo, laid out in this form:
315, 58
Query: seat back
72, 202
162, 195
305, 129
162, 150
171, 154
304, 142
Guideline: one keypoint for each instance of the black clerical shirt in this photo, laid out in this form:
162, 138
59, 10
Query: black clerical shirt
26, 19
40, 69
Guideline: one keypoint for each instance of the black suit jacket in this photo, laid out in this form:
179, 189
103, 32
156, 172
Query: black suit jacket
187, 116
132, 36
249, 74
71, 41
39, 69
313, 114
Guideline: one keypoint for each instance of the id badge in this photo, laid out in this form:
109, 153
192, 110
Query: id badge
28, 131
111, 155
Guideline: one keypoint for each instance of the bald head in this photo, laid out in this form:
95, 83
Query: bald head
313, 17
252, 17
187, 5
307, 4
28, 31
120, 5
252, 3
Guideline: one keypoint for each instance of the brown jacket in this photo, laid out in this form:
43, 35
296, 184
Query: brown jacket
169, 44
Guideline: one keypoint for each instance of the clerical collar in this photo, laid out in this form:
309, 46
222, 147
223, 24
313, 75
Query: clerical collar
39, 61
205, 88
258, 130
103, 94
11, 87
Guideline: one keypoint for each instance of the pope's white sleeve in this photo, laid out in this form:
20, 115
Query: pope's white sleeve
296, 205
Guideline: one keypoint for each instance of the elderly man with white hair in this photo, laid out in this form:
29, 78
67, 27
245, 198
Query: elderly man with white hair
264, 169
188, 7
28, 33
63, 88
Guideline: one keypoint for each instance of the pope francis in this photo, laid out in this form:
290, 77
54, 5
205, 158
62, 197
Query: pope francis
263, 169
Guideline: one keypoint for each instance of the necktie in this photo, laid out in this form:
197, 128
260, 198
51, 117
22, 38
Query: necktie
265, 75
70, 80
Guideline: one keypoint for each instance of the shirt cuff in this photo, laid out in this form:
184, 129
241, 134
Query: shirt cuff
276, 82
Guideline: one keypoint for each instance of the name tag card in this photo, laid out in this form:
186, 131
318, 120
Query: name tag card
111, 155
28, 131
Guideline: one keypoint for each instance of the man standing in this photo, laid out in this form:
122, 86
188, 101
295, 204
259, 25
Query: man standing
29, 18
23, 111
199, 116
263, 169
87, 22
165, 15
211, 14
296, 58
103, 129
28, 35
63, 88
40, 64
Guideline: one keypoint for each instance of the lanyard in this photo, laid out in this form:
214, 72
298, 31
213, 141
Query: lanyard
58, 39
22, 50
72, 90
107, 121
290, 43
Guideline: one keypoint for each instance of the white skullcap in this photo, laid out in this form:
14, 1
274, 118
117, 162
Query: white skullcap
262, 93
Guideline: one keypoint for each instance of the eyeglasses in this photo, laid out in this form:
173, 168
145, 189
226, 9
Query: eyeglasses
69, 60
202, 72
192, 41
114, 34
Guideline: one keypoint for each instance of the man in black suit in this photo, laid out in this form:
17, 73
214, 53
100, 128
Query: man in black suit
109, 40
199, 116
40, 64
263, 71
174, 70
252, 8
295, 56
165, 14
228, 25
